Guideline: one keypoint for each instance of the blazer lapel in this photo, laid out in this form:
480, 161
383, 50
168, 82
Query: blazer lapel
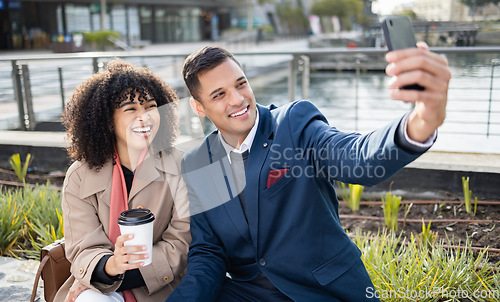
233, 207
258, 153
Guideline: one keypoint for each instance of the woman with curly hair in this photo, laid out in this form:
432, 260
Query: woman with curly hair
121, 125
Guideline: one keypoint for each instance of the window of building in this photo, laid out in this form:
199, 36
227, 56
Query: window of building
161, 25
77, 18
172, 24
119, 20
134, 26
146, 21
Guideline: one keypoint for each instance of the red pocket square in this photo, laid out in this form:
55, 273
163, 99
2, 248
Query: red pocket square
274, 175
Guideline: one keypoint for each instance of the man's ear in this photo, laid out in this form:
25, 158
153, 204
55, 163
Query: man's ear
197, 107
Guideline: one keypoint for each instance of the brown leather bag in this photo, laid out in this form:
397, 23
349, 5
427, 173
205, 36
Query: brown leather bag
54, 269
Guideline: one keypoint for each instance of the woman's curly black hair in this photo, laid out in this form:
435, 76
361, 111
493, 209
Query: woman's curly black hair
88, 116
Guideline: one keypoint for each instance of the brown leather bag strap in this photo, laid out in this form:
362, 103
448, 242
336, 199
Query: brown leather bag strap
38, 275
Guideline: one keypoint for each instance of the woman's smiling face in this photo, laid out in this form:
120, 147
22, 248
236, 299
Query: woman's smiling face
135, 124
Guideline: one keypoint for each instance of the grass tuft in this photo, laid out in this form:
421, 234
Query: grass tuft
403, 270
353, 197
390, 205
20, 169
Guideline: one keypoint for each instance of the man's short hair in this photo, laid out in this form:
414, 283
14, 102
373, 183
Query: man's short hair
202, 61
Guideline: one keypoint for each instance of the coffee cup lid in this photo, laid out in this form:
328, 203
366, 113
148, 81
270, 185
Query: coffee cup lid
136, 217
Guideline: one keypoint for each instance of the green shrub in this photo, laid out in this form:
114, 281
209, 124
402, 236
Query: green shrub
11, 223
44, 218
407, 271
268, 29
30, 219
99, 39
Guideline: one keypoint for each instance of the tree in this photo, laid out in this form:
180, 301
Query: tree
339, 8
343, 9
292, 17
329, 8
476, 3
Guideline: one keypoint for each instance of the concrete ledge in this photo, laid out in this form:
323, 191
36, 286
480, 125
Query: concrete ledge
57, 139
48, 149
33, 138
458, 161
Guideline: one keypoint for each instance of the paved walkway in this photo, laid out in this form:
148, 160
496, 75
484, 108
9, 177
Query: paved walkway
16, 280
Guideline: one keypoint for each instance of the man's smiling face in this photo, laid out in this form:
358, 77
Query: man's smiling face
226, 98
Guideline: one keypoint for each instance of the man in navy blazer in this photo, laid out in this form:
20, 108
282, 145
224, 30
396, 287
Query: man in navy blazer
264, 213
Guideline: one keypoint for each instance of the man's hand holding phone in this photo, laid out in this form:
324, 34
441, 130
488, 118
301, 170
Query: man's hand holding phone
398, 33
418, 65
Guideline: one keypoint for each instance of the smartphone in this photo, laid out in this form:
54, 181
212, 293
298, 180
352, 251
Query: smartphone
398, 33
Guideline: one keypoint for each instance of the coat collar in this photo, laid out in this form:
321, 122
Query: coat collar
266, 127
100, 181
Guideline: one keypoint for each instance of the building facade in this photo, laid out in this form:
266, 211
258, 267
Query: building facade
454, 10
445, 10
36, 23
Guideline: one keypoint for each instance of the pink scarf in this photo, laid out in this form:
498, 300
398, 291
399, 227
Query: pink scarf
119, 203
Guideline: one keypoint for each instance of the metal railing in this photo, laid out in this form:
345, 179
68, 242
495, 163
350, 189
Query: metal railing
296, 67
494, 63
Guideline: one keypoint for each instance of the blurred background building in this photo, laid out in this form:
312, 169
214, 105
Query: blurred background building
450, 10
76, 25
35, 23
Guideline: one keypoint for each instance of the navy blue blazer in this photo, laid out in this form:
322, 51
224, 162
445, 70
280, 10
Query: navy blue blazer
293, 234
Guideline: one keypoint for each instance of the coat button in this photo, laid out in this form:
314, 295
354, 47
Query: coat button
140, 207
264, 145
262, 262
165, 278
80, 271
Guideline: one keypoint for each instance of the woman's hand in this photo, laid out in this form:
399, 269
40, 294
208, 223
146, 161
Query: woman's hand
123, 255
75, 291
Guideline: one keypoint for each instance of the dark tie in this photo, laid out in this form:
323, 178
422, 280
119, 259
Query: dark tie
244, 155
238, 166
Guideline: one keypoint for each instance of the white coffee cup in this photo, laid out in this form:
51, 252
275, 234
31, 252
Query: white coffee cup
138, 222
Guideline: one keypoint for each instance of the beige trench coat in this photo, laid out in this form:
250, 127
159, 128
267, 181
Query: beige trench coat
158, 186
